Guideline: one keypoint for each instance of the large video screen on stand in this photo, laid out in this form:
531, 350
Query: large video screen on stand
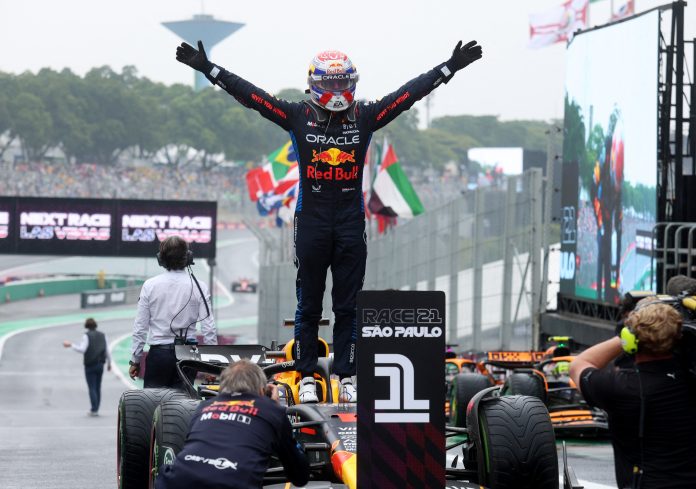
610, 160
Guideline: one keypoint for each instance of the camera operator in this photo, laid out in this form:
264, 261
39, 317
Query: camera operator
650, 406
169, 307
233, 436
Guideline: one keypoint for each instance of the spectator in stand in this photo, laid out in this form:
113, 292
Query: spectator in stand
95, 351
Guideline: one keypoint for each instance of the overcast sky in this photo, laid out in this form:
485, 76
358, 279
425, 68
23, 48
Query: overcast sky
390, 41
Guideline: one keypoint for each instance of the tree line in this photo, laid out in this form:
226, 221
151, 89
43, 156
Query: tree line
96, 117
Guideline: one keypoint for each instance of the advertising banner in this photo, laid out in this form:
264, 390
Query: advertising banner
7, 240
143, 224
49, 226
401, 418
610, 160
103, 227
103, 298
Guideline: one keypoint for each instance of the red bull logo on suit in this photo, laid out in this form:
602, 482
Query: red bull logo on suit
333, 157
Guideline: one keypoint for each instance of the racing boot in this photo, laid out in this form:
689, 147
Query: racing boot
308, 390
347, 391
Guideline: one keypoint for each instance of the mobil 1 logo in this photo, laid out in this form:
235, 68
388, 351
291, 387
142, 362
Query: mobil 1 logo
400, 355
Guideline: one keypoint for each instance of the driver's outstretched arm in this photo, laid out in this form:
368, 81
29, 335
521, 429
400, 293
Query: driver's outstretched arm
386, 109
249, 95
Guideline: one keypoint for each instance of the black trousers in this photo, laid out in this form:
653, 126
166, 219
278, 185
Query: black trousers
160, 369
326, 238
93, 375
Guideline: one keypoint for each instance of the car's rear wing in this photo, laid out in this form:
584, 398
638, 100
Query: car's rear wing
223, 354
513, 359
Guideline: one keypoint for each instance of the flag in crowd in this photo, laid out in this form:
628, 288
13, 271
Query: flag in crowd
625, 10
259, 182
282, 160
267, 178
274, 186
386, 188
392, 193
558, 24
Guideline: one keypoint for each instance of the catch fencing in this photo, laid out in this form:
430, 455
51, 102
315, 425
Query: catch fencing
483, 249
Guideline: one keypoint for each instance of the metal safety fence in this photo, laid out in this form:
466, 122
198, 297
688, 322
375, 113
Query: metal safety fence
483, 249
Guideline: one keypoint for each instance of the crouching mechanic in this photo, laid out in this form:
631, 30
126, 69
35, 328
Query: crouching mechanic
233, 435
650, 405
331, 133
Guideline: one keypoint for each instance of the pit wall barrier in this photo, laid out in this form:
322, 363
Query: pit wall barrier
483, 249
44, 287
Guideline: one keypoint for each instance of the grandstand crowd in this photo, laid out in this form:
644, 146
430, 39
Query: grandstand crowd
225, 184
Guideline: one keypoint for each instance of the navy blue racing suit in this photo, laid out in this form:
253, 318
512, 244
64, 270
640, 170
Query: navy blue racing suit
330, 212
229, 444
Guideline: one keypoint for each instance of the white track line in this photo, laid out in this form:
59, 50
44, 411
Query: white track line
588, 484
3, 339
114, 367
594, 485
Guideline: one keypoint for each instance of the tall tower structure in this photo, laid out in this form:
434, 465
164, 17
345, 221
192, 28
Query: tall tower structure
205, 28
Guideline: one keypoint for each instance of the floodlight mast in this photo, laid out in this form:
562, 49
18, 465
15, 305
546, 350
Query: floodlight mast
205, 28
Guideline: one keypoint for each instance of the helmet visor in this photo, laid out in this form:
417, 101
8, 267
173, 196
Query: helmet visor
335, 83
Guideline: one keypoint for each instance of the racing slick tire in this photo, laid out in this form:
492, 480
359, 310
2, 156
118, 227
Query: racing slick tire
464, 387
525, 384
135, 410
170, 425
519, 444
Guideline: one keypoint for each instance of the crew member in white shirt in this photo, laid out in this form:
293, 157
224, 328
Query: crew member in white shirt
169, 307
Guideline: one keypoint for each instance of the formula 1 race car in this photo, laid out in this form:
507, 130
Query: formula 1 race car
541, 374
502, 442
244, 285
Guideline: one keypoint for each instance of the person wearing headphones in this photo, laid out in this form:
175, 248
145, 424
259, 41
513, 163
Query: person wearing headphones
331, 133
650, 406
169, 307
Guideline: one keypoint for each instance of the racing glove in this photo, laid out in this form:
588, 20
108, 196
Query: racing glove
196, 59
463, 56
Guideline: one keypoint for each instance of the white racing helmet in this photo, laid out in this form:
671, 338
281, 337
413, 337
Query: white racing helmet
332, 79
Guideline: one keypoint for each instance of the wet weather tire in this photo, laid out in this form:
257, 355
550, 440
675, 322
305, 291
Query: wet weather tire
135, 410
170, 425
464, 387
525, 384
518, 443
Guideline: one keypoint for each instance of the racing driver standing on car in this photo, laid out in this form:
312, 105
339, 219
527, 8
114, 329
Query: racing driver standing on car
331, 133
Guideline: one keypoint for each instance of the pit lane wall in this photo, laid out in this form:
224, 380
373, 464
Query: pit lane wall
44, 287
476, 248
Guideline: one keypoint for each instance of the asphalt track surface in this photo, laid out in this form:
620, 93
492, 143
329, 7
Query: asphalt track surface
47, 440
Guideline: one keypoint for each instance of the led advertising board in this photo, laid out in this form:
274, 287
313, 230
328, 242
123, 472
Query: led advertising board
610, 160
102, 227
